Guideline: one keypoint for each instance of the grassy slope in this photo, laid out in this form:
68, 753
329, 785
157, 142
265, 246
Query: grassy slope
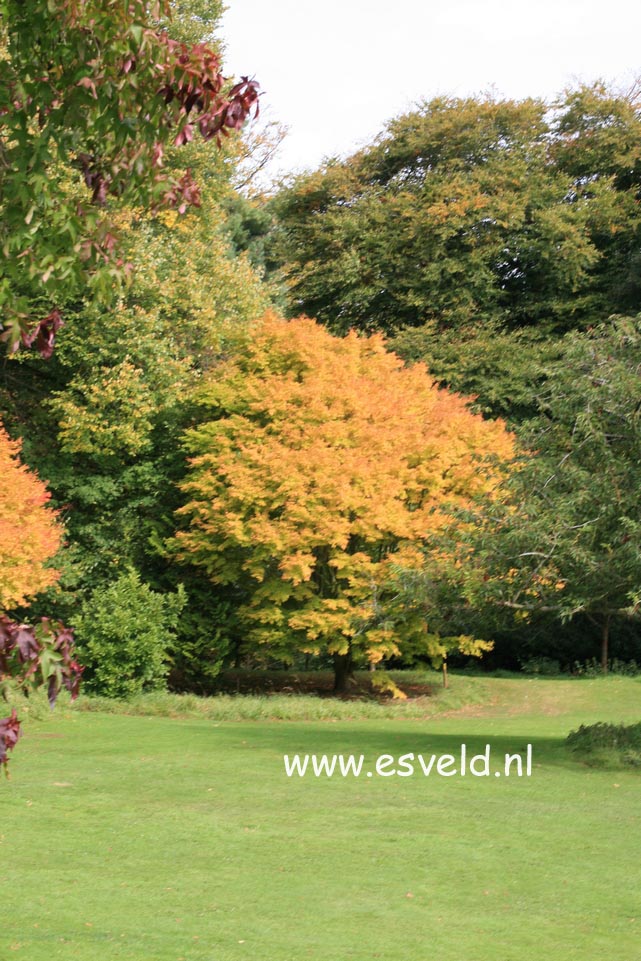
160, 839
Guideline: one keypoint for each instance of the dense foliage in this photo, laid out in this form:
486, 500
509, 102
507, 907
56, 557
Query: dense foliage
98, 97
562, 536
470, 211
505, 371
93, 92
328, 502
124, 631
325, 460
30, 536
570, 537
103, 416
478, 232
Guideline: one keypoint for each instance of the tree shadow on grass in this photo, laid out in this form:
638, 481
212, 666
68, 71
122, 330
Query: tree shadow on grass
371, 742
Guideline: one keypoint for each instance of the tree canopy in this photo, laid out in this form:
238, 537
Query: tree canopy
323, 460
30, 535
566, 536
473, 211
92, 93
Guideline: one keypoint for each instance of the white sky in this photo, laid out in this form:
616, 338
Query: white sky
334, 71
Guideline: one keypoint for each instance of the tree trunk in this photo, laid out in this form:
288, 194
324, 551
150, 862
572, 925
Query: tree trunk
342, 672
605, 641
237, 655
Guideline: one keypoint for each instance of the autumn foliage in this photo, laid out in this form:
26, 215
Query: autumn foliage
93, 93
29, 532
34, 656
30, 536
326, 460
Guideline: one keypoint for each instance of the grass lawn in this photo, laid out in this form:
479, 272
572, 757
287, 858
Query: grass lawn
181, 839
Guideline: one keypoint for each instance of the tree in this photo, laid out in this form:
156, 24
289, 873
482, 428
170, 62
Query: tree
503, 370
30, 536
597, 142
566, 536
468, 212
454, 214
102, 417
323, 463
92, 94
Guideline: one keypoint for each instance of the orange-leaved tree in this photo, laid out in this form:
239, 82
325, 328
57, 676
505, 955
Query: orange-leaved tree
30, 536
29, 532
326, 461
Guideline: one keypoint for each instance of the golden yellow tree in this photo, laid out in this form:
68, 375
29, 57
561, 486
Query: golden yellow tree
325, 461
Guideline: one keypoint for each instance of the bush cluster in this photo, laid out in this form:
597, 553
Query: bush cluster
607, 745
124, 631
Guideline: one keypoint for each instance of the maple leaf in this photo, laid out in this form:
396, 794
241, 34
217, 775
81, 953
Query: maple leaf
10, 733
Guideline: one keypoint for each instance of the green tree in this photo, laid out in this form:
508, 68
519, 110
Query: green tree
102, 419
503, 371
103, 416
454, 215
468, 212
92, 92
566, 537
597, 142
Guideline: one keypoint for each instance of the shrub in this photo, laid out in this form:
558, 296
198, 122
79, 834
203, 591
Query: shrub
205, 641
593, 668
607, 745
123, 634
546, 666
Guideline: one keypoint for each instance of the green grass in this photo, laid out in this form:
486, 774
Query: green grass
158, 838
297, 707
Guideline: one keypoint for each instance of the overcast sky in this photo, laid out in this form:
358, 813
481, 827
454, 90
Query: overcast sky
335, 71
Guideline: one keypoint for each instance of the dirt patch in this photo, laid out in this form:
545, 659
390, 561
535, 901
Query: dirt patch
362, 686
